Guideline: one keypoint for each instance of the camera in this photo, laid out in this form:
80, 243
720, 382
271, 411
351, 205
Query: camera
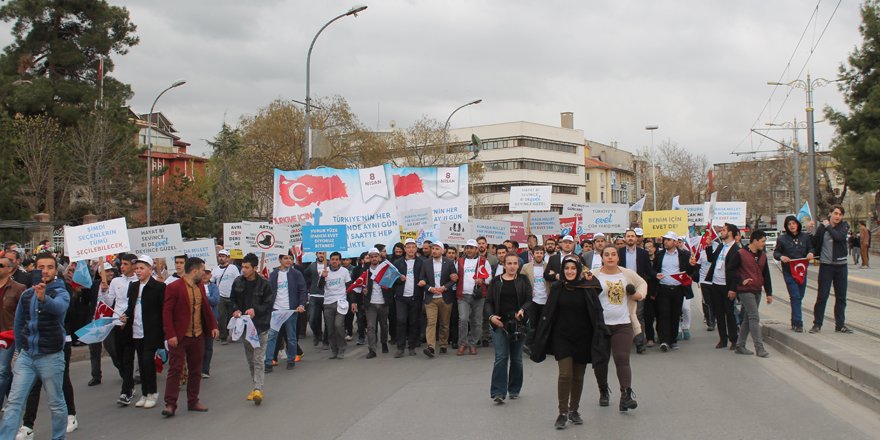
515, 329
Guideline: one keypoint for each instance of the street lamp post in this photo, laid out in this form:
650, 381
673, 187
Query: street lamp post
651, 128
177, 83
353, 12
446, 126
808, 86
795, 147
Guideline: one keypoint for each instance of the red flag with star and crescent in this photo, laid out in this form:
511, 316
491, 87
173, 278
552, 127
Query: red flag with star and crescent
360, 281
799, 269
682, 278
309, 190
408, 184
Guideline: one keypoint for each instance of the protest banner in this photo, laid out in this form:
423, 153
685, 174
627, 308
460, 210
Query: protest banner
658, 223
606, 218
274, 239
517, 232
541, 223
96, 240
530, 198
573, 209
495, 231
444, 189
726, 212
359, 198
455, 233
326, 238
416, 219
205, 249
232, 239
156, 241
696, 214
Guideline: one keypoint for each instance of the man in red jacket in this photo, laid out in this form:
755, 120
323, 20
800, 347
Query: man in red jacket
187, 319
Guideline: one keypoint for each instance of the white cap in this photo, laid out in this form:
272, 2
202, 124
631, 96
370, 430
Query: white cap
409, 240
145, 259
639, 231
223, 252
342, 306
107, 266
437, 243
567, 237
373, 251
671, 236
472, 243
598, 235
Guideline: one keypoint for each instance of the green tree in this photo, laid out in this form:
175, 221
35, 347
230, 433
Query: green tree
857, 144
229, 192
52, 65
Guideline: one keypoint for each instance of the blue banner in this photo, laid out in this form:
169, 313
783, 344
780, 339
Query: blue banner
325, 238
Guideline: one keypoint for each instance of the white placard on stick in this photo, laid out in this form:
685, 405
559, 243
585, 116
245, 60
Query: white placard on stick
232, 236
156, 241
530, 198
457, 233
96, 240
276, 239
541, 223
205, 249
606, 217
495, 231
726, 212
416, 219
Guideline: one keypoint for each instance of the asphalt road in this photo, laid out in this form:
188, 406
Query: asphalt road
696, 392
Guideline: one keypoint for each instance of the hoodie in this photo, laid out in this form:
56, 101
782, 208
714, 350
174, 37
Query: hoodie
793, 246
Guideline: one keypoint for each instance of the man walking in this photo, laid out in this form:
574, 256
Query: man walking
749, 274
333, 281
289, 292
636, 259
10, 292
864, 244
670, 298
473, 272
116, 295
375, 300
408, 296
223, 275
438, 278
718, 278
829, 244
252, 296
187, 319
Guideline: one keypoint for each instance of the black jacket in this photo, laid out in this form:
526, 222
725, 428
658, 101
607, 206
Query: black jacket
599, 346
22, 277
794, 246
684, 265
554, 265
427, 274
152, 301
643, 263
418, 292
493, 299
261, 299
838, 234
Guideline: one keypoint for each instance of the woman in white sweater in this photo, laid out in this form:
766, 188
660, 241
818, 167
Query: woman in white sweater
621, 290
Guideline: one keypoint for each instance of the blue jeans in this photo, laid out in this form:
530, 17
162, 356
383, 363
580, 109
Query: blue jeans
50, 369
5, 371
796, 294
829, 274
289, 328
506, 382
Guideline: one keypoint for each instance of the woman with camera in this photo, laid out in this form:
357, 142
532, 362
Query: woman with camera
507, 301
572, 329
622, 288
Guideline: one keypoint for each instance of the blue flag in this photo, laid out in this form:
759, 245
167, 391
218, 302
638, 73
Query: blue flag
95, 331
81, 274
804, 214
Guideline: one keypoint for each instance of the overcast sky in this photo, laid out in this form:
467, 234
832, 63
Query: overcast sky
696, 68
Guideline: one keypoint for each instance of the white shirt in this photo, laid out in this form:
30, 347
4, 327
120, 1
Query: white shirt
468, 282
704, 266
670, 267
597, 261
116, 294
632, 258
410, 285
719, 277
334, 287
376, 296
282, 295
613, 298
539, 290
171, 279
223, 278
137, 325
438, 269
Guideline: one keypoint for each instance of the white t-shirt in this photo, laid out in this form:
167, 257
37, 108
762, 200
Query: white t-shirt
438, 270
613, 298
223, 278
282, 296
720, 275
137, 325
539, 290
410, 285
597, 262
468, 282
376, 296
334, 289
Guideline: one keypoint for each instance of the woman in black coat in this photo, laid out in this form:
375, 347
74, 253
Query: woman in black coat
573, 330
509, 299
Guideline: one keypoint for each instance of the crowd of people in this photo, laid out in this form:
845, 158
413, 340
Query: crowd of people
582, 303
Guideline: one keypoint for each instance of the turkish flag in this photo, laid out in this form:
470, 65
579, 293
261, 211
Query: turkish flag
308, 190
708, 237
408, 184
799, 269
482, 273
7, 339
360, 281
682, 278
103, 311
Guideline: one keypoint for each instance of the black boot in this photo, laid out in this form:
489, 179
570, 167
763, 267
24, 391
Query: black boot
626, 399
604, 395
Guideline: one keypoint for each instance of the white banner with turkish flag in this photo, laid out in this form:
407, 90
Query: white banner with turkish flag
445, 190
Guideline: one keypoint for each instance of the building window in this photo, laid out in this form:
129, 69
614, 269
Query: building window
495, 144
587, 177
588, 196
530, 165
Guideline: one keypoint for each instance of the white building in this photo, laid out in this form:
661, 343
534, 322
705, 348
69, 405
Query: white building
526, 153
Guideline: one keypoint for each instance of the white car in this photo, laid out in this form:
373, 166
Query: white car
771, 242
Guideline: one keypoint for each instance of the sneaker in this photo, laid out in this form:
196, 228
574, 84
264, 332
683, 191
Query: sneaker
799, 329
843, 329
360, 341
498, 400
710, 328
742, 350
687, 335
72, 424
334, 355
442, 350
348, 337
385, 347
674, 346
140, 403
224, 342
25, 433
575, 418
258, 397
298, 358
429, 352
292, 365
250, 396
206, 376
664, 347
560, 421
94, 381
650, 344
125, 399
399, 354
152, 398
815, 329
268, 368
371, 354
762, 353
514, 396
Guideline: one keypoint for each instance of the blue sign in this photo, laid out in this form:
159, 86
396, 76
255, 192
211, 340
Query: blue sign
324, 238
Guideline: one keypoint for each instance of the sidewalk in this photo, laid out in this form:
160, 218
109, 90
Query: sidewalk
865, 282
849, 362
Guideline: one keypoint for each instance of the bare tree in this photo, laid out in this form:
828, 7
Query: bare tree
37, 140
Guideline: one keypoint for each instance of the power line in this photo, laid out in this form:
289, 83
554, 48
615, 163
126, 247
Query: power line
782, 75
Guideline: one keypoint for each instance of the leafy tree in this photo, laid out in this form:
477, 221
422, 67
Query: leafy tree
857, 144
228, 191
36, 149
182, 201
52, 65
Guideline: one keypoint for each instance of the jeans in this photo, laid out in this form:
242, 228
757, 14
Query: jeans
377, 315
255, 357
50, 369
831, 274
408, 312
289, 328
316, 312
224, 308
506, 380
751, 321
796, 294
33, 401
6, 371
470, 311
335, 328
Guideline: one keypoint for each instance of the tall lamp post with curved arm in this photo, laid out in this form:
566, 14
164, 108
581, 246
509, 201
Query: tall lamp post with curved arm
177, 83
446, 126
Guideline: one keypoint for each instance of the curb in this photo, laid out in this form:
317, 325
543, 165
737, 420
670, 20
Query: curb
854, 376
